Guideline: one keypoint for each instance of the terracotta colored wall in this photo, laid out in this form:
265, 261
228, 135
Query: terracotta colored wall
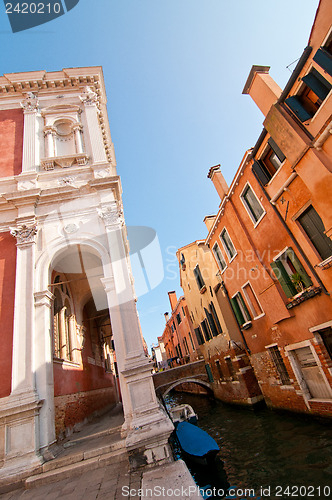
7, 297
74, 408
11, 142
81, 389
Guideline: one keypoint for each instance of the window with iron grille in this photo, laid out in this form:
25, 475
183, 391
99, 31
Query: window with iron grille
279, 364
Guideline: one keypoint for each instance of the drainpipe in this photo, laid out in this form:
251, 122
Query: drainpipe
299, 248
230, 304
294, 76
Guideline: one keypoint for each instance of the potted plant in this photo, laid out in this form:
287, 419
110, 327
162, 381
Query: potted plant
298, 282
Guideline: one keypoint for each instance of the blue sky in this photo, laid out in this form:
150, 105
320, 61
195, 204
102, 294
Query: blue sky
174, 73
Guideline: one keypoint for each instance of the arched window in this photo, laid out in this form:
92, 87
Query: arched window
64, 320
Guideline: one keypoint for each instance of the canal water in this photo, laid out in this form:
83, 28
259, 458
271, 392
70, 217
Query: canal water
264, 453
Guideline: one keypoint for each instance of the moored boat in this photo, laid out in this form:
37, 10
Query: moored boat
197, 444
181, 413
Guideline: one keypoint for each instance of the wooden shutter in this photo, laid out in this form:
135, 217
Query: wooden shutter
314, 227
317, 83
248, 318
298, 109
211, 322
262, 175
283, 278
199, 336
324, 60
215, 317
299, 268
276, 149
237, 311
209, 373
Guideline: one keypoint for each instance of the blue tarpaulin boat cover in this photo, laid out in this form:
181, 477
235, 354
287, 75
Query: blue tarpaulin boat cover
194, 440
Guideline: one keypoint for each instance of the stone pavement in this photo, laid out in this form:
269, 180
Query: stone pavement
93, 464
103, 483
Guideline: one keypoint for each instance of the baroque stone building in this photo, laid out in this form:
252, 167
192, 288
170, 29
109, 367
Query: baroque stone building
66, 288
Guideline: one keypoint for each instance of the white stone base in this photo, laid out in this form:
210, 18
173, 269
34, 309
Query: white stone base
19, 446
147, 445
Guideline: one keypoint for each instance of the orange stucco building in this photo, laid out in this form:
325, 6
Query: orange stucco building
221, 341
178, 337
271, 237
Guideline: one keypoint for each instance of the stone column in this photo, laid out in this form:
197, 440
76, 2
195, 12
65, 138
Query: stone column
146, 424
43, 366
49, 134
77, 128
30, 149
90, 101
22, 369
19, 412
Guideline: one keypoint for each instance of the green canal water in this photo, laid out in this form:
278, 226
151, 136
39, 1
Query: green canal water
264, 453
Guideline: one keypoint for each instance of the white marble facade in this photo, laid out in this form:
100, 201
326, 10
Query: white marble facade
68, 196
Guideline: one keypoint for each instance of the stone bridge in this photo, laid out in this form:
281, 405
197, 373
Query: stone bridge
194, 372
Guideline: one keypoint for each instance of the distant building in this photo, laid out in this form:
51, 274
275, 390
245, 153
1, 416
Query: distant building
178, 336
217, 333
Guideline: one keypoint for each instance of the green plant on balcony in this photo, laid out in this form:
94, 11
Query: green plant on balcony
298, 282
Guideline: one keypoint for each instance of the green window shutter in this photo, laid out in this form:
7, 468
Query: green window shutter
209, 372
237, 311
276, 149
314, 227
317, 83
248, 318
324, 60
261, 172
283, 278
299, 268
295, 105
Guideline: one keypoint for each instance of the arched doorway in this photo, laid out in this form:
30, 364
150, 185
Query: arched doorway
84, 376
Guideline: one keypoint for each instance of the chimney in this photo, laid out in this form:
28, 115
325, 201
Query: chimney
208, 221
218, 180
262, 88
166, 316
173, 300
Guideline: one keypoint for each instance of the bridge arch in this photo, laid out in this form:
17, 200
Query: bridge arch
164, 390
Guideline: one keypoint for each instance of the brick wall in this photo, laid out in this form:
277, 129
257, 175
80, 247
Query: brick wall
72, 409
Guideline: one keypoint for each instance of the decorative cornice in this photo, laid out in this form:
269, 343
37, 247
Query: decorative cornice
30, 103
89, 97
24, 234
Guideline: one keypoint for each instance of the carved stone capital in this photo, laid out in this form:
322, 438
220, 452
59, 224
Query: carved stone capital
49, 130
77, 127
89, 97
24, 234
30, 103
111, 215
